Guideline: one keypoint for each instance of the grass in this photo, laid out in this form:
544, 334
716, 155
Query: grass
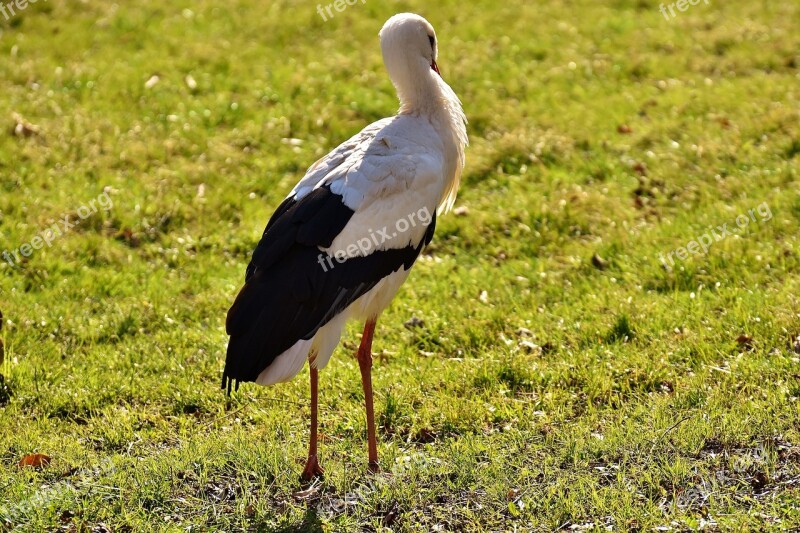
562, 375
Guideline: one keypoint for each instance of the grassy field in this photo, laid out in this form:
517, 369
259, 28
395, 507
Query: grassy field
563, 374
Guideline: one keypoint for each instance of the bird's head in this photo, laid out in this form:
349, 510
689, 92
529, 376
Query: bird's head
409, 47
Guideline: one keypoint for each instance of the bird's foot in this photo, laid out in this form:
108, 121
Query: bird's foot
373, 467
312, 469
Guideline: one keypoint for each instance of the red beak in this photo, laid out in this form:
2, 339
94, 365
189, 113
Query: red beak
435, 68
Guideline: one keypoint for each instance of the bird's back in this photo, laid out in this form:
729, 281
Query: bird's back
346, 207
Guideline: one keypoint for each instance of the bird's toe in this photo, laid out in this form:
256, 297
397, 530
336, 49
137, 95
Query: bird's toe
312, 470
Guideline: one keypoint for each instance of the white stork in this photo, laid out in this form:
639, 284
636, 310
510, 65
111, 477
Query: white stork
344, 240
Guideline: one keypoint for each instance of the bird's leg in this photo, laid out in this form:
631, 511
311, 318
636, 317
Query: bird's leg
312, 468
365, 364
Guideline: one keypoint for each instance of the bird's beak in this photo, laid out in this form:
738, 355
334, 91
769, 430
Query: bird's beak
435, 68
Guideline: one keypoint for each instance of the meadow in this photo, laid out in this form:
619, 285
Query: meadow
567, 354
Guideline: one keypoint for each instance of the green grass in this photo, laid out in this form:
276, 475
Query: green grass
578, 391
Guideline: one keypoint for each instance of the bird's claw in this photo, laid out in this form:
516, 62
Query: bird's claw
374, 467
312, 469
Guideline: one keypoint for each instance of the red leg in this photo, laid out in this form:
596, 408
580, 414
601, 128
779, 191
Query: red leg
312, 468
365, 364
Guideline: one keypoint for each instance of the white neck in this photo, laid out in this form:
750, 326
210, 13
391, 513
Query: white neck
418, 87
409, 51
424, 93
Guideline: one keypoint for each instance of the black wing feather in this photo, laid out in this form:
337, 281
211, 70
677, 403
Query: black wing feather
288, 295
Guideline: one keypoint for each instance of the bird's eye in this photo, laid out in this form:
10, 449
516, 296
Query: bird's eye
432, 39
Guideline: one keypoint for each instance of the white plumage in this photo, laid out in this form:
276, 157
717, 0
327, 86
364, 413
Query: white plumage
366, 210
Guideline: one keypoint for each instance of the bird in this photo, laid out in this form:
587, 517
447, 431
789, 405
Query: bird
343, 241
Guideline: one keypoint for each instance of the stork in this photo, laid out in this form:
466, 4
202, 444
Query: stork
343, 241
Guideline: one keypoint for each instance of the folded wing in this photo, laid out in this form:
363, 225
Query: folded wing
293, 285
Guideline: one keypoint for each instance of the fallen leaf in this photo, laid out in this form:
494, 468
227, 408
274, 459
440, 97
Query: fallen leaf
391, 515
745, 341
524, 332
306, 495
23, 128
35, 460
529, 346
131, 239
759, 481
152, 82
425, 436
414, 322
599, 262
